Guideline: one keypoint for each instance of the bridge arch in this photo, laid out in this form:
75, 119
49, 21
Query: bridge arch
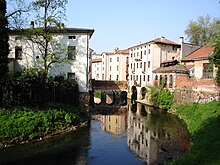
133, 94
142, 93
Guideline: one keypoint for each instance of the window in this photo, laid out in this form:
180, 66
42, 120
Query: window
145, 52
117, 59
110, 59
148, 64
110, 77
71, 52
144, 78
117, 77
148, 51
131, 77
137, 65
148, 78
110, 68
117, 68
141, 65
131, 66
18, 53
71, 76
141, 54
102, 76
131, 55
72, 37
207, 71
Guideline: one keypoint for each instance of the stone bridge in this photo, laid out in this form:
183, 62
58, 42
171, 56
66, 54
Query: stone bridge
109, 93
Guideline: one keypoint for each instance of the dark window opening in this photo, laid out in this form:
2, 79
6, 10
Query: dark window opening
18, 53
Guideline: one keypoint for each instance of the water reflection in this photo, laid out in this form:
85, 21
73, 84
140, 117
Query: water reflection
155, 138
132, 137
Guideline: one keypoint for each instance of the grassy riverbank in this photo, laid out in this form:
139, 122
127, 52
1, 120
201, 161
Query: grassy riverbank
203, 122
22, 125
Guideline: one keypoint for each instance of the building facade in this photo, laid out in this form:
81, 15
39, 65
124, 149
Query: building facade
115, 65
97, 66
69, 43
146, 57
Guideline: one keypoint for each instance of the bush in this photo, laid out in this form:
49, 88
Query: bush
160, 96
21, 125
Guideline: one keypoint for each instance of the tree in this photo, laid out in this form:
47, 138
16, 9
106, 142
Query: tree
215, 57
49, 14
4, 46
201, 31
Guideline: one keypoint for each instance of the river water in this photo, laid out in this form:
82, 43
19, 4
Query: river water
130, 138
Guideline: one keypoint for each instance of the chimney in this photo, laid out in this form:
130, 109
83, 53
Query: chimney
162, 39
116, 49
181, 40
32, 24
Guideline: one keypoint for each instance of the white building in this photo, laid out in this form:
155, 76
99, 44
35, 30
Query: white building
73, 44
97, 66
146, 57
115, 65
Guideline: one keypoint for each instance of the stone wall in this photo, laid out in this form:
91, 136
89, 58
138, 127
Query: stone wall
189, 90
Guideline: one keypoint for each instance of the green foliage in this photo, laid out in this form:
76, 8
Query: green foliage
49, 15
203, 121
97, 94
20, 125
4, 47
215, 57
201, 31
165, 99
28, 89
160, 96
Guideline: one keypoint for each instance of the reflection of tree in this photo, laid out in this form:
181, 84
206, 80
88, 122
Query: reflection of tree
156, 138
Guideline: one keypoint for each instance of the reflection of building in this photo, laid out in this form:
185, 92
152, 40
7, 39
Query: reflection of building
140, 139
155, 138
115, 124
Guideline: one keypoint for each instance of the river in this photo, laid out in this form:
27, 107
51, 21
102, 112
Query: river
130, 138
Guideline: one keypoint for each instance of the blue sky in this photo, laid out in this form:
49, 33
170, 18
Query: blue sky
125, 23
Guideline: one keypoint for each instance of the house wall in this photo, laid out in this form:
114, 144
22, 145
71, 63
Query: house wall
79, 66
114, 69
186, 49
155, 54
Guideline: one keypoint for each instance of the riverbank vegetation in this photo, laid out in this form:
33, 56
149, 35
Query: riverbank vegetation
28, 124
160, 96
203, 122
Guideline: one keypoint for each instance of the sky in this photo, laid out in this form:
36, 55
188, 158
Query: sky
126, 23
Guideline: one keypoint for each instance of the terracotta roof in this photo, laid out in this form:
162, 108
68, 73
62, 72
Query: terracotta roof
172, 69
126, 51
161, 40
201, 53
164, 41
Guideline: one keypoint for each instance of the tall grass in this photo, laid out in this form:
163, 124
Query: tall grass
203, 122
